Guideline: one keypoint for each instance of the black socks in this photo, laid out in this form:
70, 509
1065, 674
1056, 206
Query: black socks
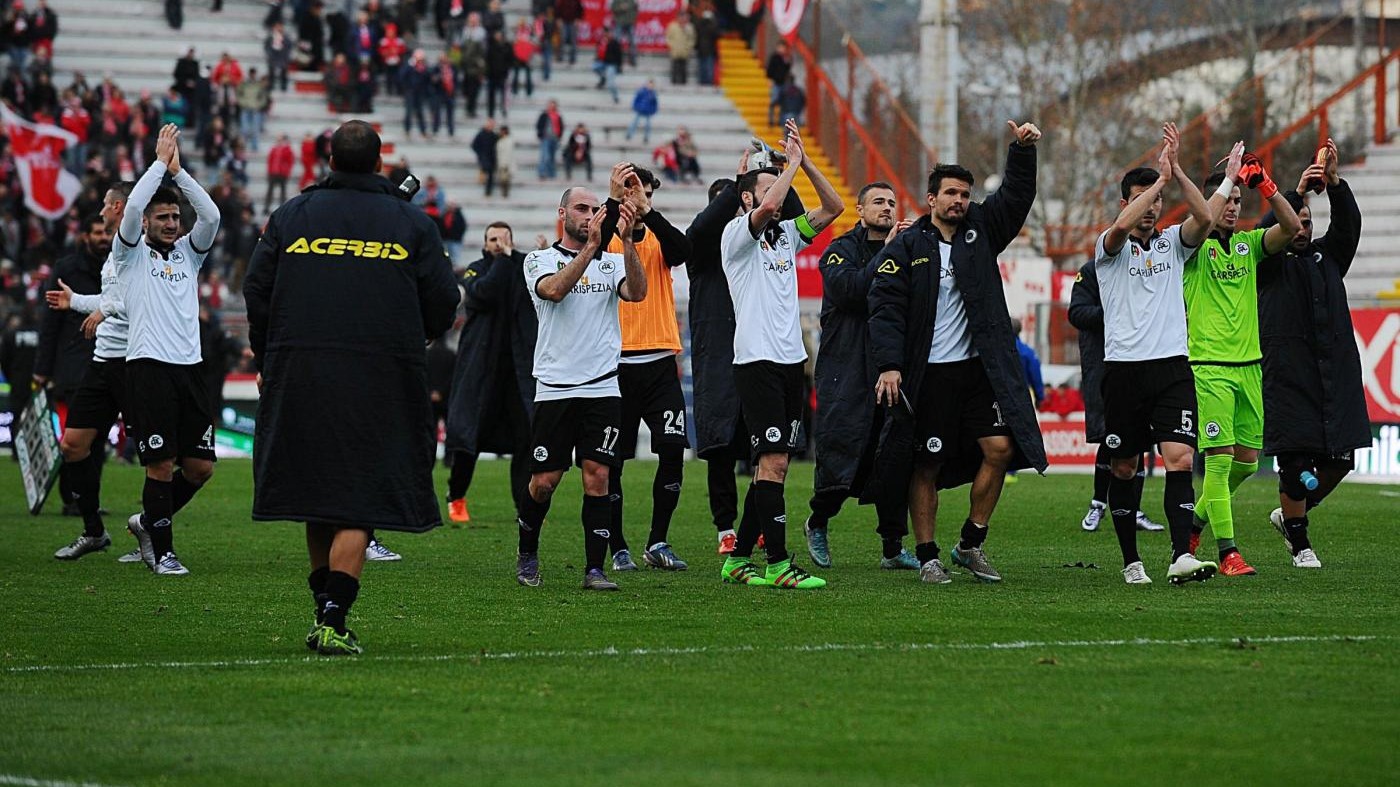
1179, 500
335, 600
666, 493
460, 479
182, 490
1124, 500
749, 528
316, 580
1297, 530
597, 515
926, 552
724, 493
771, 513
616, 540
84, 479
158, 506
973, 535
530, 517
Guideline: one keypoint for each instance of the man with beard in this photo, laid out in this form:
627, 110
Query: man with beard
940, 336
844, 378
493, 390
576, 288
720, 436
1314, 404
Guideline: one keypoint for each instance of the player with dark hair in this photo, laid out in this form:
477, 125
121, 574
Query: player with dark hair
950, 374
493, 390
1314, 402
576, 287
759, 255
348, 245
845, 376
1222, 312
1149, 395
648, 377
167, 403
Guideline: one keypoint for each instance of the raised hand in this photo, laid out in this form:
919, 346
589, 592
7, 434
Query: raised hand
1171, 138
1164, 164
174, 163
61, 298
638, 199
1234, 162
1312, 179
792, 146
617, 183
1026, 134
899, 226
744, 161
165, 143
626, 214
1332, 177
595, 227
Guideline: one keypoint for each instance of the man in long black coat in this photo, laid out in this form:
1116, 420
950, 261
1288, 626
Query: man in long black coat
493, 387
719, 432
975, 422
1086, 315
845, 378
1314, 403
344, 290
64, 351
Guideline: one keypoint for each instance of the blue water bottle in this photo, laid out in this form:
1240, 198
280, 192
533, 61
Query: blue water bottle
1309, 480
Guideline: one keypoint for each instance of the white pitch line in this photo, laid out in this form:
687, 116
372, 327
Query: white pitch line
830, 647
25, 781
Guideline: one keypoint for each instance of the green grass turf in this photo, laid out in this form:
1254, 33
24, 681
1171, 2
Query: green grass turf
1236, 708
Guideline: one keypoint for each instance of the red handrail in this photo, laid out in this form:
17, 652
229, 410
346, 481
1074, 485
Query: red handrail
847, 124
854, 55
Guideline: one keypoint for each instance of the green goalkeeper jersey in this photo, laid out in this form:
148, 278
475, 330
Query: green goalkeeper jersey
1222, 304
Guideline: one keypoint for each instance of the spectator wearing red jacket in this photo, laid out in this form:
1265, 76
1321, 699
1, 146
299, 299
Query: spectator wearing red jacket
391, 53
279, 170
309, 161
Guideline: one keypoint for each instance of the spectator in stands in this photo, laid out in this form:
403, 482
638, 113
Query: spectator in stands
278, 49
364, 89
340, 85
310, 165
17, 32
779, 68
791, 102
43, 28
253, 98
494, 19
624, 13
1030, 362
391, 53
484, 146
545, 30
443, 85
452, 225
279, 170
523, 48
451, 16
414, 80
578, 152
505, 160
707, 44
499, 58
687, 156
431, 198
202, 102
76, 120
664, 157
363, 44
568, 13
187, 74
608, 63
227, 76
473, 61
43, 98
549, 130
235, 162
311, 39
680, 42
175, 109
214, 143
644, 107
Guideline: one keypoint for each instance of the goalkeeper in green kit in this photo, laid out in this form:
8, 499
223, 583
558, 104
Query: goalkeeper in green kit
1222, 313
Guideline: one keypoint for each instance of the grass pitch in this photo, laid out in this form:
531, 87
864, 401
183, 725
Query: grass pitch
110, 675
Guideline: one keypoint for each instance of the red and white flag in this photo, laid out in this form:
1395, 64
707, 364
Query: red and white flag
49, 189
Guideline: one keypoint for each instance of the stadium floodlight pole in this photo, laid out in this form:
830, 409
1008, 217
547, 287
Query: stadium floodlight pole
939, 58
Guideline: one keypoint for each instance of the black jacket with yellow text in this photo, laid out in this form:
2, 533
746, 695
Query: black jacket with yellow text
345, 288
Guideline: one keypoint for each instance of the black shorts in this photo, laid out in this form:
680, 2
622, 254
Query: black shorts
168, 411
1312, 461
1146, 403
770, 400
651, 392
568, 431
956, 408
98, 400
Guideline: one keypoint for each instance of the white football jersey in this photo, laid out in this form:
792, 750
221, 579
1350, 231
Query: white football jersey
161, 294
762, 276
580, 337
1144, 305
